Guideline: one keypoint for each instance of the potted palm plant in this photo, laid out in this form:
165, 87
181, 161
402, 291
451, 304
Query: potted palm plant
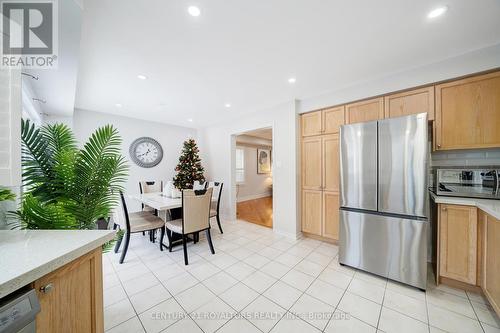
65, 187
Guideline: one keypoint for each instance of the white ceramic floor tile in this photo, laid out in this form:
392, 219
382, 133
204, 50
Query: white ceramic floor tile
270, 253
223, 260
113, 295
298, 279
320, 258
132, 325
149, 298
325, 292
110, 281
259, 281
405, 304
451, 302
282, 294
395, 322
372, 278
368, 290
406, 290
204, 271
312, 311
342, 323
360, 308
186, 325
239, 325
288, 259
194, 297
490, 329
275, 269
167, 272
220, 282
334, 264
309, 268
212, 315
239, 296
478, 298
336, 278
291, 324
451, 321
241, 253
263, 313
240, 270
117, 313
140, 283
486, 314
162, 316
180, 283
256, 260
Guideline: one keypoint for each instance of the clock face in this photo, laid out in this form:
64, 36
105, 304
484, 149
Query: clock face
146, 152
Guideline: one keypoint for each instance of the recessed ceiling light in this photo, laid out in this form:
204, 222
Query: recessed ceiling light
194, 11
227, 105
292, 80
190, 120
142, 77
118, 105
437, 12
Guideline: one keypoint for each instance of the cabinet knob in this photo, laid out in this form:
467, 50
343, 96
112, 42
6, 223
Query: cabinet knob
47, 288
443, 209
439, 146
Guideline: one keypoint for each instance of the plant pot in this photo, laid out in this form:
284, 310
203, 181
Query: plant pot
102, 224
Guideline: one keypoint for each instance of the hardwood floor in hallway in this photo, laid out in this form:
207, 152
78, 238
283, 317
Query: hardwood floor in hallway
258, 211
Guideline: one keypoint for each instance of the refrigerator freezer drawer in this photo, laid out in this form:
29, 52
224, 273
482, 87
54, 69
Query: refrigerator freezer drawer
388, 246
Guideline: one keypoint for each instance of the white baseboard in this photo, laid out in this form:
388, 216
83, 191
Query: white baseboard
254, 196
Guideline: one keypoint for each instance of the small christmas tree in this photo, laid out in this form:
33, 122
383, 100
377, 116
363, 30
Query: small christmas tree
189, 168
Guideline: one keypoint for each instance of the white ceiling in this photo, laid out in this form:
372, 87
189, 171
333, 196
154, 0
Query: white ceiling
243, 52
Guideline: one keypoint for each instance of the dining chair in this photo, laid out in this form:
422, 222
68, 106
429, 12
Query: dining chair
134, 222
150, 187
195, 218
215, 205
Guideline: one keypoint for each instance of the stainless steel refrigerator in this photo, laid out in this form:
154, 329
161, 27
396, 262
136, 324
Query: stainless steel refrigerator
383, 198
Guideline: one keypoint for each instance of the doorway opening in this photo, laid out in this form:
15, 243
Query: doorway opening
254, 179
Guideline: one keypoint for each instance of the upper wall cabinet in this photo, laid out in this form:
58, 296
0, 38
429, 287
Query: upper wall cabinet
468, 113
410, 102
368, 110
311, 123
332, 119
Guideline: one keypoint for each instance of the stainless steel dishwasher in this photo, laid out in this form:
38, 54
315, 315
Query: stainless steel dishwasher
18, 311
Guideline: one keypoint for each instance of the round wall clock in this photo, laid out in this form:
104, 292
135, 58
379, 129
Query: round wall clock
146, 152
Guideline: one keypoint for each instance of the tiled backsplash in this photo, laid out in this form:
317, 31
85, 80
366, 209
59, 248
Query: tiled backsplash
478, 157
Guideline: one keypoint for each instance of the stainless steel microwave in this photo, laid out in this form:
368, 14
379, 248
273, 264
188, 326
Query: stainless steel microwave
474, 183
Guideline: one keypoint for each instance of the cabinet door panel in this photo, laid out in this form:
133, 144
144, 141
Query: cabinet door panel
458, 242
311, 211
372, 109
332, 119
410, 102
330, 227
468, 113
331, 173
312, 163
74, 302
311, 123
492, 263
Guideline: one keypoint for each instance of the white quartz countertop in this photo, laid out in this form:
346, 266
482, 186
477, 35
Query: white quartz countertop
491, 207
27, 255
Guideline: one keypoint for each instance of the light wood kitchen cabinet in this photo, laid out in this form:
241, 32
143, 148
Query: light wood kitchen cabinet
330, 218
457, 242
491, 260
410, 102
71, 297
311, 211
312, 161
331, 166
333, 118
468, 113
367, 110
311, 123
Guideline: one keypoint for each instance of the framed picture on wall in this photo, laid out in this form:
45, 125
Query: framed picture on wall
263, 161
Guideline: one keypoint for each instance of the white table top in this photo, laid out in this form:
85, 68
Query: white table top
158, 201
27, 255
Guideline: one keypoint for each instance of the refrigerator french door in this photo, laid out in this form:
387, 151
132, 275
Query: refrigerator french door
383, 198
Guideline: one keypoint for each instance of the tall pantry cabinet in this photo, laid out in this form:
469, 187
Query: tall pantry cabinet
320, 171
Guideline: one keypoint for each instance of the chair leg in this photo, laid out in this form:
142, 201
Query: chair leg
184, 245
144, 233
162, 235
125, 246
218, 223
169, 236
209, 238
117, 245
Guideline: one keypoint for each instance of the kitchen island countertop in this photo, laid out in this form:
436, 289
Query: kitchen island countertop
27, 255
491, 207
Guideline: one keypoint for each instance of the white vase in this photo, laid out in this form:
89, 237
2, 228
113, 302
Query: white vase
176, 193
